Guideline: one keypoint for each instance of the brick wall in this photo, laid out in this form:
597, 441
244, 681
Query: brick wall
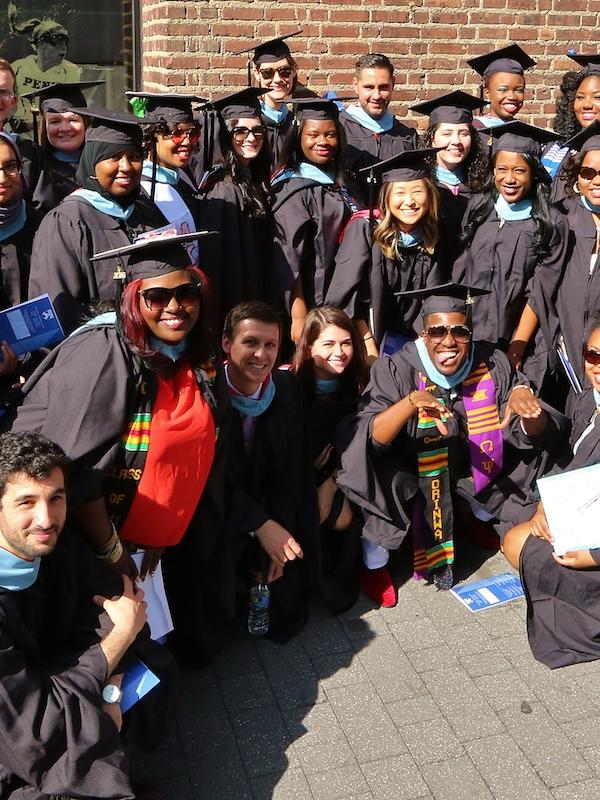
188, 46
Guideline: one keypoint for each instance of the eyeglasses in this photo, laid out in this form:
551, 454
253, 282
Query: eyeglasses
6, 94
588, 173
55, 38
178, 137
157, 297
241, 134
591, 356
268, 74
11, 169
460, 333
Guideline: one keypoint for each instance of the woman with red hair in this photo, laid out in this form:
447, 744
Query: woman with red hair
132, 397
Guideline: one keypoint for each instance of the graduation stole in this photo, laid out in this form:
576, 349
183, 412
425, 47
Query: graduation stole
483, 423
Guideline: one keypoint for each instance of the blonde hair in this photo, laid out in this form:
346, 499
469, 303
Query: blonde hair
386, 233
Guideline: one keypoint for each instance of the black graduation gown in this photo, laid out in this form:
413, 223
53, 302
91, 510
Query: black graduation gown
563, 605
276, 133
82, 397
55, 181
502, 259
31, 165
382, 480
308, 220
273, 482
237, 259
67, 238
364, 280
55, 739
15, 258
579, 292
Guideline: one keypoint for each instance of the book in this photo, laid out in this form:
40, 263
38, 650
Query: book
28, 326
571, 503
489, 592
137, 682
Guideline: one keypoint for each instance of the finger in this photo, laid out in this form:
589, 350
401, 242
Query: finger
294, 547
128, 586
442, 427
272, 571
563, 560
507, 417
99, 600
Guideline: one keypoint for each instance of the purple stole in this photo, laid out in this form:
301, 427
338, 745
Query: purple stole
483, 422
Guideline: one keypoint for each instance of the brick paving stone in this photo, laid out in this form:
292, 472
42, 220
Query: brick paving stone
331, 674
412, 710
456, 779
417, 633
586, 790
546, 746
338, 784
389, 670
247, 691
365, 627
433, 740
333, 753
310, 726
433, 658
444, 610
592, 756
292, 676
505, 770
292, 785
485, 663
464, 640
583, 732
502, 689
241, 659
323, 637
263, 740
503, 621
395, 778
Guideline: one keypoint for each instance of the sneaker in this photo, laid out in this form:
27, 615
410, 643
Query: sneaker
378, 585
442, 577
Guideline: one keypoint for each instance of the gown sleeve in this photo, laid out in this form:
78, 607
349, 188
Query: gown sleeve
293, 246
349, 285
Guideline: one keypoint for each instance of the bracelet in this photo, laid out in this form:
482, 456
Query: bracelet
366, 338
522, 386
113, 549
408, 397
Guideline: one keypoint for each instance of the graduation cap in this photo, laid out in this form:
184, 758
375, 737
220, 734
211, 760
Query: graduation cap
170, 108
454, 107
317, 107
111, 127
591, 63
153, 254
406, 166
240, 104
587, 138
445, 298
512, 59
519, 137
261, 51
60, 97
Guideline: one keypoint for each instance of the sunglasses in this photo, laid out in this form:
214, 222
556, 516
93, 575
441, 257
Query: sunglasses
437, 333
178, 137
268, 74
241, 134
157, 297
588, 173
56, 38
591, 356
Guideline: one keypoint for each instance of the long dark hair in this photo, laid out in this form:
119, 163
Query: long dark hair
354, 378
475, 167
539, 193
253, 180
292, 155
571, 171
565, 121
135, 331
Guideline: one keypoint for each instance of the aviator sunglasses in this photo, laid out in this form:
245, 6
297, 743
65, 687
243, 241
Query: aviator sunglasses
178, 137
591, 356
268, 74
437, 333
157, 297
241, 133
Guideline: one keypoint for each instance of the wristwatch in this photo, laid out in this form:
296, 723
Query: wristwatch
111, 694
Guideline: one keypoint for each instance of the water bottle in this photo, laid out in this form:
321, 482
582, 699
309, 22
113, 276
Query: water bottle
258, 615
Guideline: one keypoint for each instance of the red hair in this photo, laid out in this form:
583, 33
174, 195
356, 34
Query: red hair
136, 330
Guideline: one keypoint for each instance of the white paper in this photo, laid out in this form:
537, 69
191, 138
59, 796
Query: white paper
572, 506
159, 613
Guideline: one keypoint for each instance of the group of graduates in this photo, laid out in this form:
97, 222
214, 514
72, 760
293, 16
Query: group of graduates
435, 300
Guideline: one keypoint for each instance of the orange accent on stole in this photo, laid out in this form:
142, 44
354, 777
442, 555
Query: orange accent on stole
182, 449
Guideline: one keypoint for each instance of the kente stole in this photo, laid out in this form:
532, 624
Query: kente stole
434, 539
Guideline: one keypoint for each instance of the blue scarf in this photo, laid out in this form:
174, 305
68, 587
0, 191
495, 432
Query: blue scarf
305, 170
434, 375
250, 407
171, 351
381, 125
6, 231
411, 239
103, 204
163, 174
490, 122
510, 212
447, 177
273, 114
68, 158
326, 385
590, 206
17, 573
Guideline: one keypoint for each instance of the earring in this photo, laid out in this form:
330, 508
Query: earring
576, 188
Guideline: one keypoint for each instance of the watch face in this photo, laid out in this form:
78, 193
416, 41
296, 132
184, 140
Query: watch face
111, 693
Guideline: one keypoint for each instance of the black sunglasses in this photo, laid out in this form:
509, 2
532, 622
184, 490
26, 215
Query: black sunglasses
241, 133
268, 74
588, 173
437, 333
591, 356
157, 297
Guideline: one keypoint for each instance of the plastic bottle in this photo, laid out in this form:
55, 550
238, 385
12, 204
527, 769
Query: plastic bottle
258, 615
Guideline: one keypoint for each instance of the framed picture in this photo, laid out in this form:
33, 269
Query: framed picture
65, 42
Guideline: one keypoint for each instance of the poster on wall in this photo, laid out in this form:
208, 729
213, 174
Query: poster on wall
64, 42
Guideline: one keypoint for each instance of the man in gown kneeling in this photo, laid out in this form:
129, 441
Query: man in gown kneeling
443, 419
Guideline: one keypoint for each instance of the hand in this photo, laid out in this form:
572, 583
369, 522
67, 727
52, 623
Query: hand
152, 556
577, 559
515, 353
539, 525
323, 456
325, 494
126, 566
435, 409
524, 403
296, 329
10, 362
127, 612
114, 712
275, 572
278, 543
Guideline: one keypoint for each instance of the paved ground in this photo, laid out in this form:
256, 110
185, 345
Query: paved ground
422, 701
